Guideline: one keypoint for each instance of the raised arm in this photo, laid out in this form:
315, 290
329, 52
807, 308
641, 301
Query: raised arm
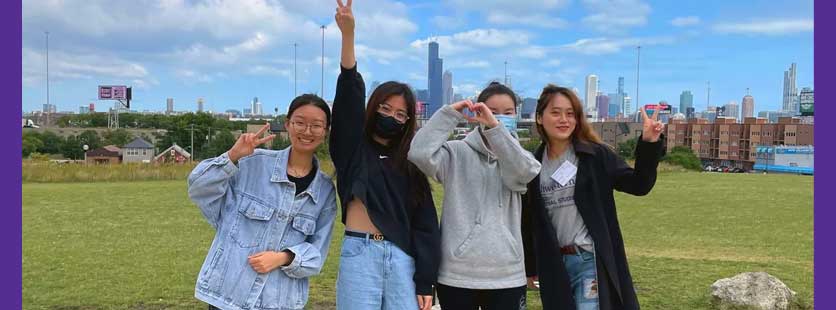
649, 150
429, 150
349, 102
210, 181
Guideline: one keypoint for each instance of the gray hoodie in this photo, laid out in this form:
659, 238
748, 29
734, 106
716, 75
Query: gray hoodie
481, 246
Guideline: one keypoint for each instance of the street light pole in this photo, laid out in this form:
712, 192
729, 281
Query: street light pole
322, 61
294, 69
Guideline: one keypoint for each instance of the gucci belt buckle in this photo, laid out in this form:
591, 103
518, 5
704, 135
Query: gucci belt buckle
377, 237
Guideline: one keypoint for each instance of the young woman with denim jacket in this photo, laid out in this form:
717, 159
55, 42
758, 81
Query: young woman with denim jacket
272, 211
390, 252
570, 225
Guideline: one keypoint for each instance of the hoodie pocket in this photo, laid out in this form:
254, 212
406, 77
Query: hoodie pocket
493, 245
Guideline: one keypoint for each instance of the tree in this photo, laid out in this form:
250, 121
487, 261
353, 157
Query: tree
221, 142
52, 143
684, 157
118, 137
31, 143
91, 139
626, 150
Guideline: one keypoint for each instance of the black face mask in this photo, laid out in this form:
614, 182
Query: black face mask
387, 127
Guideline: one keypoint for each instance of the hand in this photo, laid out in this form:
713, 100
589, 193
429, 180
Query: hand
461, 105
652, 127
267, 261
425, 302
344, 17
483, 116
247, 142
530, 284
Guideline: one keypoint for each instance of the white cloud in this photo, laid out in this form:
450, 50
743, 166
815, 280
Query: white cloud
601, 46
534, 13
615, 16
472, 64
532, 52
476, 39
770, 27
553, 63
685, 21
532, 20
63, 66
467, 89
448, 22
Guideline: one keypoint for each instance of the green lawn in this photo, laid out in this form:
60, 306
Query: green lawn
139, 245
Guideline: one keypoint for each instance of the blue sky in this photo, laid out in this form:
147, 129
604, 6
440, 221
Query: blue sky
228, 52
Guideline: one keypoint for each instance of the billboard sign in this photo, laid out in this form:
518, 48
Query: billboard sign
113, 92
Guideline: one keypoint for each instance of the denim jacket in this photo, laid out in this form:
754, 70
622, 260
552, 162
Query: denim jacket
253, 208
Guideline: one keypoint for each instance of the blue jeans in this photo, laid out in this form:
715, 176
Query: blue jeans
583, 277
375, 275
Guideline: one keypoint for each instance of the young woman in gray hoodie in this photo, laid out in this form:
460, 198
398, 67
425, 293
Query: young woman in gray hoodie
484, 176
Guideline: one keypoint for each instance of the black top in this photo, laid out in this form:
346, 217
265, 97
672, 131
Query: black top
303, 182
365, 171
600, 171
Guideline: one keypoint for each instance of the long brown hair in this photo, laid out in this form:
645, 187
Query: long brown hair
583, 131
399, 146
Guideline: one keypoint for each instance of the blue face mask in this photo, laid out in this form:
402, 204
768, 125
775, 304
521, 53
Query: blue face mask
509, 121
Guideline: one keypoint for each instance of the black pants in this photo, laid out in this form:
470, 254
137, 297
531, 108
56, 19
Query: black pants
454, 298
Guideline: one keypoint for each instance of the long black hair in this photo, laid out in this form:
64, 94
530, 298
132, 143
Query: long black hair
399, 146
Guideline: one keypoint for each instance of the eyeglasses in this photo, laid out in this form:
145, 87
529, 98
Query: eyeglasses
400, 116
301, 127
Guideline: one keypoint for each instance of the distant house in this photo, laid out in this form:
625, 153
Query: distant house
173, 155
110, 154
138, 151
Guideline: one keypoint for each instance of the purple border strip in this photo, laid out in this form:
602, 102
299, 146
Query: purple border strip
824, 195
10, 222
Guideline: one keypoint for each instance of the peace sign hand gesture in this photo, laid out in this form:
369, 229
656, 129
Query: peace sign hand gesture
247, 143
651, 128
344, 17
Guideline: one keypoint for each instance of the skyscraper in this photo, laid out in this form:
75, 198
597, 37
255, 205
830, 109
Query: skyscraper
806, 102
199, 105
92, 108
627, 108
591, 92
732, 109
447, 87
748, 105
434, 85
618, 100
602, 102
790, 103
614, 107
686, 100
169, 105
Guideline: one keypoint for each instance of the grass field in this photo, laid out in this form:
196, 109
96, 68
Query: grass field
139, 245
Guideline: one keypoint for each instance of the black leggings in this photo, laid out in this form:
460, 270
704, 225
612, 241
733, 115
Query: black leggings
454, 298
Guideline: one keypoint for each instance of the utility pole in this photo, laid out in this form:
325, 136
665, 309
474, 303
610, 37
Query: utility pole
48, 106
322, 60
191, 148
638, 65
294, 69
506, 71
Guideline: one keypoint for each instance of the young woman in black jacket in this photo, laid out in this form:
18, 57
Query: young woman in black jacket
390, 252
570, 225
